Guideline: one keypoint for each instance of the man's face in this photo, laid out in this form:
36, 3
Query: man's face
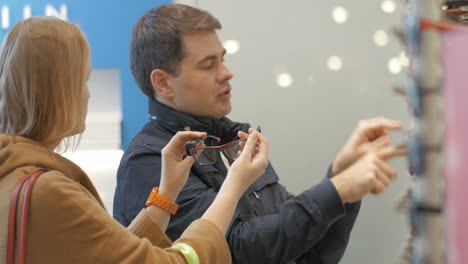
202, 87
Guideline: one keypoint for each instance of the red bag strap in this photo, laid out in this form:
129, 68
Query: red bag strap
29, 180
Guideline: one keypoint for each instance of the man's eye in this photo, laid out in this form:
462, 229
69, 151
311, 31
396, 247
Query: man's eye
208, 67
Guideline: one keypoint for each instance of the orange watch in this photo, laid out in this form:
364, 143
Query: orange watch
161, 202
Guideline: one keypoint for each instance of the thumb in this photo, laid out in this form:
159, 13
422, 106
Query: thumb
249, 146
188, 161
380, 142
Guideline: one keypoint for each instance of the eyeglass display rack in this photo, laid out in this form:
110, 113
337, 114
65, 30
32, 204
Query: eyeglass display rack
455, 43
456, 10
433, 86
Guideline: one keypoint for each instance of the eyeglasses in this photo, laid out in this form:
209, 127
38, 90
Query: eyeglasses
208, 155
417, 151
412, 33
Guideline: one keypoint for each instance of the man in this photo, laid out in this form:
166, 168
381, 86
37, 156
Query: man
177, 61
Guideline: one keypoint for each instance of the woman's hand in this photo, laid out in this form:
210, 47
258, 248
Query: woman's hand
175, 164
248, 167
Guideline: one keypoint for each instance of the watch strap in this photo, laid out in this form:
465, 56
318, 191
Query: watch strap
162, 202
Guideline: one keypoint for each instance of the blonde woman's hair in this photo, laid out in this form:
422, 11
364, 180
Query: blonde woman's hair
43, 69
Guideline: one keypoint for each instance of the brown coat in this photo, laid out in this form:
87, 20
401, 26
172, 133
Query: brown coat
68, 222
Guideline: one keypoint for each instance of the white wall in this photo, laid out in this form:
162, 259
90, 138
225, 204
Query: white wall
99, 151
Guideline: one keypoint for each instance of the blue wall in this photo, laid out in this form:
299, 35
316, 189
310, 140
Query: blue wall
107, 25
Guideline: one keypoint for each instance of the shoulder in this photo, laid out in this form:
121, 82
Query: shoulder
57, 188
149, 140
57, 196
142, 157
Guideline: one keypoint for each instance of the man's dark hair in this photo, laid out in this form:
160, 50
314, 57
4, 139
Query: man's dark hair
157, 40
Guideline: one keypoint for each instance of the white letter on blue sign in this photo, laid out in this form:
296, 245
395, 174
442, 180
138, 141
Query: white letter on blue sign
5, 17
51, 11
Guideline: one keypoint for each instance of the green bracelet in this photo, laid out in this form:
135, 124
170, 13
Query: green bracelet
188, 252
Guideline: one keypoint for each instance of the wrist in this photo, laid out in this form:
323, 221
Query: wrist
340, 188
169, 193
228, 193
227, 199
162, 201
156, 212
334, 168
337, 164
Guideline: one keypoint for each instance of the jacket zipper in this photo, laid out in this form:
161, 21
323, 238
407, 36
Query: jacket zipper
256, 195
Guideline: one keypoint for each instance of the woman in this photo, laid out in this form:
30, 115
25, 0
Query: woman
44, 67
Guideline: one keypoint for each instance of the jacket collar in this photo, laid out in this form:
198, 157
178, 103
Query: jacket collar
173, 120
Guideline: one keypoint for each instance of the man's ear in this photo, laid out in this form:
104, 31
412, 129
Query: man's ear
160, 79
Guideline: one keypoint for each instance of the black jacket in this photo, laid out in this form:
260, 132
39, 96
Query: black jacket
270, 225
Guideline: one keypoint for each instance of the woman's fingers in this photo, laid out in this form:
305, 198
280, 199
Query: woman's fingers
249, 146
177, 142
242, 135
182, 137
261, 149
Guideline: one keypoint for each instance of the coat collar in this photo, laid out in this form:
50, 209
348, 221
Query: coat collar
173, 120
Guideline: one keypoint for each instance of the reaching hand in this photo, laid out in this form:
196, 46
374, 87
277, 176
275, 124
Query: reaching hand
175, 165
369, 135
249, 166
370, 174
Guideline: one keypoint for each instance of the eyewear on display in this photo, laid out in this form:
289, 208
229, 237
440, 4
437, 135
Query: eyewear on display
413, 26
416, 153
208, 155
414, 93
418, 215
450, 4
412, 33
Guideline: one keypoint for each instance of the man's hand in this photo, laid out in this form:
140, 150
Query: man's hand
370, 174
368, 136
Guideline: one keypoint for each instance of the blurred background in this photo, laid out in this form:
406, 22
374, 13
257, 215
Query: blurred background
306, 71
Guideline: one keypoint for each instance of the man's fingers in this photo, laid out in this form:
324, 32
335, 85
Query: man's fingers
391, 151
376, 127
380, 181
373, 146
385, 123
377, 187
388, 170
381, 141
384, 177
